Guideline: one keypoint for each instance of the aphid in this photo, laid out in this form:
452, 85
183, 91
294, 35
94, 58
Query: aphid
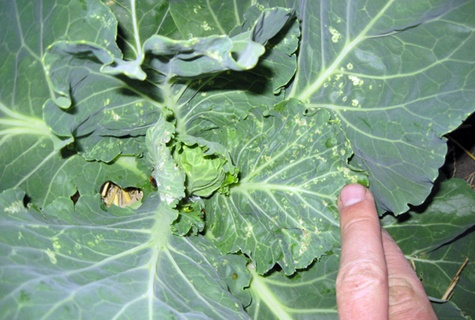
113, 194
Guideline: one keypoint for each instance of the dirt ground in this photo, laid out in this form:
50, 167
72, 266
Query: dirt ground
460, 163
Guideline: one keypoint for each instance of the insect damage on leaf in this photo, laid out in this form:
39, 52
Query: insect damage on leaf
113, 194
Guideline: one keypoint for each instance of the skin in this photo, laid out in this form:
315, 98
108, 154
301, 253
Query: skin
375, 281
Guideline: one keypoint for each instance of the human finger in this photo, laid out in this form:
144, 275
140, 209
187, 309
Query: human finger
407, 297
362, 288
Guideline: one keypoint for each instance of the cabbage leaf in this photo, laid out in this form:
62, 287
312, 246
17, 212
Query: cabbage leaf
239, 121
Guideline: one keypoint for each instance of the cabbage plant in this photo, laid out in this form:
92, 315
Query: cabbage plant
237, 123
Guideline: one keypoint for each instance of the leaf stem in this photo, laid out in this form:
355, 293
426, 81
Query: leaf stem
17, 123
266, 295
236, 13
136, 31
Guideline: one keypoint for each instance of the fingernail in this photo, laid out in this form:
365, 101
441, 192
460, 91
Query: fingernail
352, 194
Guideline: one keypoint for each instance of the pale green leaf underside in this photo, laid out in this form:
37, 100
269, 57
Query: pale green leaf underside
88, 262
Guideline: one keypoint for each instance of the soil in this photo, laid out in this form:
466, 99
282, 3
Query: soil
460, 160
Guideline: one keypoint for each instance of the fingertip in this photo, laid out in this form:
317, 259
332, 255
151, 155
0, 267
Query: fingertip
351, 194
362, 286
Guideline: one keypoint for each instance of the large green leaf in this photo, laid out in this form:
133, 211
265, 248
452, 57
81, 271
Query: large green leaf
283, 210
84, 262
398, 75
439, 239
105, 113
450, 213
383, 80
30, 157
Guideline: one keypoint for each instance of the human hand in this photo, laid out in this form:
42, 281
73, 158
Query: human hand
374, 280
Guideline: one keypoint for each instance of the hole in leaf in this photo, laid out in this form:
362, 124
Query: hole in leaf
75, 197
112, 194
26, 201
235, 55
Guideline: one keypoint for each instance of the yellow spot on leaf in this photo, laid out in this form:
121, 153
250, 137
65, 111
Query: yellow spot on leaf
51, 255
336, 36
56, 244
15, 207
